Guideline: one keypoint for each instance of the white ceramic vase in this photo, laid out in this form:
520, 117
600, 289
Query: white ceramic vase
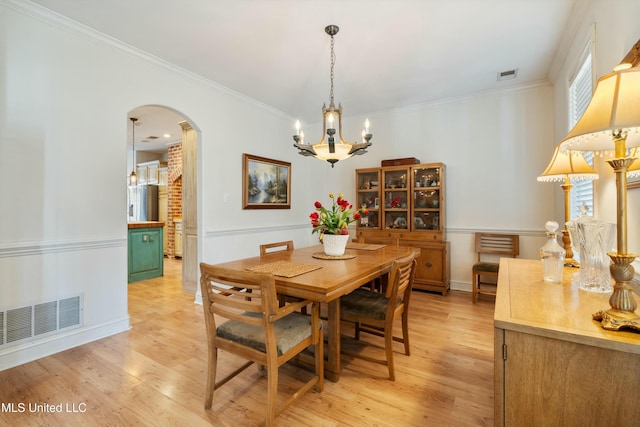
335, 244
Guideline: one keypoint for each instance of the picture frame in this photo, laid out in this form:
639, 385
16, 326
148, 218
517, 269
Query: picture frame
633, 182
266, 183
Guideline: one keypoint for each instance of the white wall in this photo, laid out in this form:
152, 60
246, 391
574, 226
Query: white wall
63, 120
491, 146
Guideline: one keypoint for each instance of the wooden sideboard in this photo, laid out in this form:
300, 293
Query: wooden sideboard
555, 365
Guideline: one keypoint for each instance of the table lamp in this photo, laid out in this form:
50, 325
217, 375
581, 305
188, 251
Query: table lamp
612, 122
565, 166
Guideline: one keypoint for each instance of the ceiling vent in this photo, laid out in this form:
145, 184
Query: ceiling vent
507, 75
150, 138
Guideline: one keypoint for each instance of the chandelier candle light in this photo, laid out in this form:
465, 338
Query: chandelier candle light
612, 121
328, 148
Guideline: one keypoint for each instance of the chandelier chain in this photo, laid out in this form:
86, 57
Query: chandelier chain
333, 62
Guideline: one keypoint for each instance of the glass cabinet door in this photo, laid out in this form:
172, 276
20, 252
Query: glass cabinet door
396, 198
427, 198
368, 197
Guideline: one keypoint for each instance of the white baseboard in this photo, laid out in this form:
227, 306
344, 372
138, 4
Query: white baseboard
460, 286
27, 352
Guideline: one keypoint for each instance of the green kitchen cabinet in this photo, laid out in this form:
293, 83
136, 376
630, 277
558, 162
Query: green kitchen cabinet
145, 247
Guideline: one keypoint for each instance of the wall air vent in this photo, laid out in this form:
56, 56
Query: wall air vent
44, 317
47, 318
19, 324
508, 75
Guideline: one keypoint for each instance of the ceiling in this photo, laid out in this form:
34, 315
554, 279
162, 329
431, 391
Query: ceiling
389, 53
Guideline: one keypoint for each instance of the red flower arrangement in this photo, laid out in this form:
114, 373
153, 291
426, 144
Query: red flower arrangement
336, 219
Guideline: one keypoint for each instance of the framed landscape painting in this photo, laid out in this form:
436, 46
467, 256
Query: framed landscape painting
266, 183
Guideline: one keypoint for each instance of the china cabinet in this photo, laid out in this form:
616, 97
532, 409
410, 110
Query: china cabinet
406, 207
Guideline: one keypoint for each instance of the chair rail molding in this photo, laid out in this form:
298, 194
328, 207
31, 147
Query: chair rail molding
30, 248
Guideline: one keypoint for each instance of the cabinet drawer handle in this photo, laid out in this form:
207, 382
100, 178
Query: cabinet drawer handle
428, 264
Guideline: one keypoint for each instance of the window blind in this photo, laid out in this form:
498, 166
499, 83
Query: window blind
580, 91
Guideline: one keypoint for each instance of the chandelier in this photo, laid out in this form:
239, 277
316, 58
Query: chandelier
328, 148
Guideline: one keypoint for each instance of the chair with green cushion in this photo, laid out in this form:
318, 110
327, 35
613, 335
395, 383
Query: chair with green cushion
257, 329
487, 245
374, 312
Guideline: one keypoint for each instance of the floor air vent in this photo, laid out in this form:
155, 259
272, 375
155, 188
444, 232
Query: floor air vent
40, 319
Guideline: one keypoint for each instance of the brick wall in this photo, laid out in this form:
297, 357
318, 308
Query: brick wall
174, 193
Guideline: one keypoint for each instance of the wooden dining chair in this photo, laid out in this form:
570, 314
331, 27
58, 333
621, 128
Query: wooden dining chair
496, 245
375, 312
257, 329
286, 246
268, 248
379, 283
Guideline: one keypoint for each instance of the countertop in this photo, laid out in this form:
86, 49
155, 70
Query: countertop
526, 303
145, 224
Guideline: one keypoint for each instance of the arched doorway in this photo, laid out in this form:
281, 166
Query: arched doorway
166, 138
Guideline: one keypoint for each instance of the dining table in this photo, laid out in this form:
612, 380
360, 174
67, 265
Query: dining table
309, 274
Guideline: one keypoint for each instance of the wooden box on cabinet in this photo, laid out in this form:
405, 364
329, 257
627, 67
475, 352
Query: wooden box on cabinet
407, 207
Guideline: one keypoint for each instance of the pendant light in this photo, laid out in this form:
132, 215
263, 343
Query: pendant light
329, 147
133, 178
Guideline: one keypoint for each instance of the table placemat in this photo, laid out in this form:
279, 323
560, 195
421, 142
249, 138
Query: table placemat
284, 268
364, 246
322, 255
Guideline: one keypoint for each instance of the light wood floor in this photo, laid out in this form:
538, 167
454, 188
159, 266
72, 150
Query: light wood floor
154, 374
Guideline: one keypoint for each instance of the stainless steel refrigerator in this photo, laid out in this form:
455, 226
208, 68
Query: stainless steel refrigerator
147, 203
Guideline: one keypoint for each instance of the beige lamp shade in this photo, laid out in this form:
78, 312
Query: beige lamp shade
615, 105
567, 164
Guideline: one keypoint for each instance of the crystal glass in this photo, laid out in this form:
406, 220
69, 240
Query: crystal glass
593, 239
